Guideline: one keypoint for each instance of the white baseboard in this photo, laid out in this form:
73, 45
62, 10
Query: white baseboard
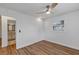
77, 48
18, 47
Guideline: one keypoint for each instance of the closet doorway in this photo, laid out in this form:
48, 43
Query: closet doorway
11, 32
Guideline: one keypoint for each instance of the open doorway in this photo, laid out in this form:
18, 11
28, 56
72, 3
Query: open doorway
11, 32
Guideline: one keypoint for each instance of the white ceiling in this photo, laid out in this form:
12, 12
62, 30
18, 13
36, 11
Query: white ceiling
33, 8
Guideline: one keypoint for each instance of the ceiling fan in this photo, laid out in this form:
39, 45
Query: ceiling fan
48, 8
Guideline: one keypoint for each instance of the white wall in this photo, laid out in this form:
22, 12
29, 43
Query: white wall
30, 32
0, 27
29, 27
4, 31
70, 36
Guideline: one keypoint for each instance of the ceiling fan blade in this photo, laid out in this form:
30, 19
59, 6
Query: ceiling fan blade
53, 5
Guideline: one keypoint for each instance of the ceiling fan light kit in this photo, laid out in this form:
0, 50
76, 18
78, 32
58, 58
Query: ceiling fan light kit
39, 19
48, 12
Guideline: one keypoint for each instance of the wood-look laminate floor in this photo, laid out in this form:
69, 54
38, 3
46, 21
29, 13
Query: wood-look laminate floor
40, 48
10, 50
46, 48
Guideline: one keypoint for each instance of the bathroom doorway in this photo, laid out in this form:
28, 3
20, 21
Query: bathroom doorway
11, 32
